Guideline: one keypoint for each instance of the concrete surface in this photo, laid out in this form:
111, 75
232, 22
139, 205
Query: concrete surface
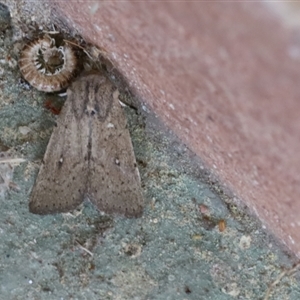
194, 241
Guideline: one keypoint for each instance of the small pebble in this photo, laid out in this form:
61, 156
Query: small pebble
4, 17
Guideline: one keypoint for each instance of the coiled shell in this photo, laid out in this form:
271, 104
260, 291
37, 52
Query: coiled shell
47, 67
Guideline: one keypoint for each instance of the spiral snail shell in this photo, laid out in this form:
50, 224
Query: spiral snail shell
47, 67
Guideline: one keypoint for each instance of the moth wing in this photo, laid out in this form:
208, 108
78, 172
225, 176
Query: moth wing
114, 181
62, 179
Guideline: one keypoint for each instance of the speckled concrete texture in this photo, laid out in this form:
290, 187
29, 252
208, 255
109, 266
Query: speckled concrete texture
225, 78
194, 240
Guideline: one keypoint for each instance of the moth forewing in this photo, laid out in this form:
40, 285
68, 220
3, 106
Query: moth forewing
115, 183
62, 179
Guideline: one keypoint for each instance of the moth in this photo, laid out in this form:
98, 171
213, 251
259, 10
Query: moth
90, 154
